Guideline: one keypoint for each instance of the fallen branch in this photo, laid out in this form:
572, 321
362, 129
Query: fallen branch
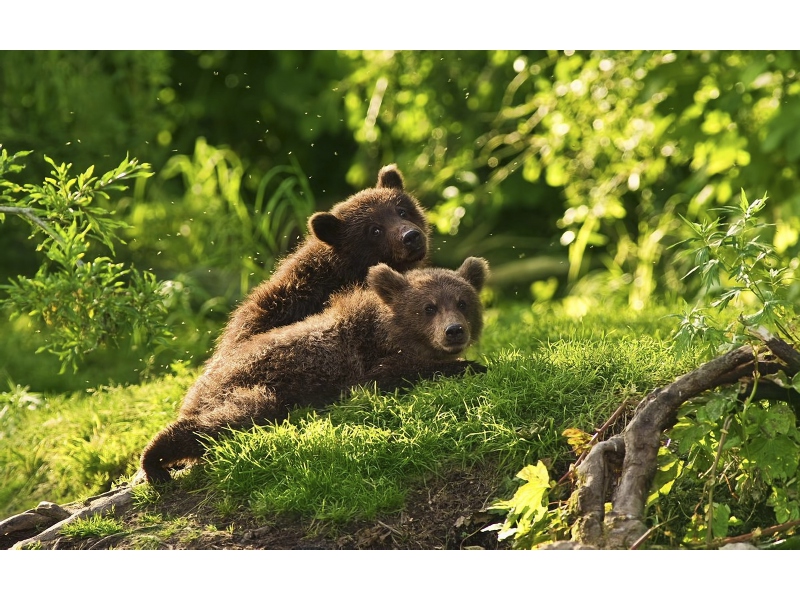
637, 447
753, 535
46, 513
100, 505
597, 434
781, 349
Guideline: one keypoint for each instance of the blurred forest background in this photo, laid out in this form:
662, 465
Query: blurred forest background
571, 172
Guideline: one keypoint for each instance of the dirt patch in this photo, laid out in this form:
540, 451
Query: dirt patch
448, 512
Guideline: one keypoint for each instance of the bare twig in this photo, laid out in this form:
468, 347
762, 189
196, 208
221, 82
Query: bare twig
635, 545
767, 531
592, 442
30, 215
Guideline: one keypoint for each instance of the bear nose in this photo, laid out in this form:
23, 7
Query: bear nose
454, 333
413, 239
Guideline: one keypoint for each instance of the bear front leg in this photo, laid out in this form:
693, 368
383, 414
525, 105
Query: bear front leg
393, 375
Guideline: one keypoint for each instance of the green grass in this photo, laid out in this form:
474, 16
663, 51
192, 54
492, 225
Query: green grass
357, 459
94, 526
66, 447
547, 372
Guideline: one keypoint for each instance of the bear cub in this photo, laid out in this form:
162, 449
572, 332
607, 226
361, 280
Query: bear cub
383, 224
400, 328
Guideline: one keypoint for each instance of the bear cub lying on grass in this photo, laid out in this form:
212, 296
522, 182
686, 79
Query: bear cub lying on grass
383, 224
402, 327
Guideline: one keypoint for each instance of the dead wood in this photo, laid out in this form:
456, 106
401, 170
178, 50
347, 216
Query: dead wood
637, 447
46, 513
781, 349
100, 505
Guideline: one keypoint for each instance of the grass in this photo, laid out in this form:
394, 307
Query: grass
63, 447
547, 372
94, 526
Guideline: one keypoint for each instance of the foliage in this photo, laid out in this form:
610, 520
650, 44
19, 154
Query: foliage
575, 173
218, 226
745, 455
726, 459
83, 106
634, 140
528, 517
739, 267
752, 447
529, 158
83, 298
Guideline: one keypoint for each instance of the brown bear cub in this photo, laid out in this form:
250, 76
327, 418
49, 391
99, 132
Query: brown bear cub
383, 224
400, 328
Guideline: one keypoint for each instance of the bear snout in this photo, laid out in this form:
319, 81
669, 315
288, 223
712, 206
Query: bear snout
454, 333
412, 239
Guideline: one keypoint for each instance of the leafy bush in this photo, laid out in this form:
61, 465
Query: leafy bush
728, 458
81, 297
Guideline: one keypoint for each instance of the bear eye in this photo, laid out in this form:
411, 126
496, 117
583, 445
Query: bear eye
375, 231
462, 305
402, 212
430, 309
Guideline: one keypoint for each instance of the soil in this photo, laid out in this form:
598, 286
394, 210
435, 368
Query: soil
447, 513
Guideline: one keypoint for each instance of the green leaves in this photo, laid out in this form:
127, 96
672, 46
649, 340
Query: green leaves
736, 269
528, 519
79, 296
747, 452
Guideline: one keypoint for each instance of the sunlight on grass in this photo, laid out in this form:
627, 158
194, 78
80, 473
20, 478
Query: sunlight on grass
356, 459
76, 445
94, 526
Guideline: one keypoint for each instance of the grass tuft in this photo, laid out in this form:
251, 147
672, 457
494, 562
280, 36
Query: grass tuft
94, 526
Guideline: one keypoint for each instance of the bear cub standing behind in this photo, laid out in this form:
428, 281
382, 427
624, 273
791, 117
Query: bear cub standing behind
401, 328
383, 224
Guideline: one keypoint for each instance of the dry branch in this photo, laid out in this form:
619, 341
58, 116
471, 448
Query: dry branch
103, 504
637, 446
781, 349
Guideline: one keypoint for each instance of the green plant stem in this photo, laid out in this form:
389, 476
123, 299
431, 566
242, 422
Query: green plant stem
712, 477
30, 215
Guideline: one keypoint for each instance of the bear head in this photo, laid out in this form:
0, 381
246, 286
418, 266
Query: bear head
435, 313
383, 224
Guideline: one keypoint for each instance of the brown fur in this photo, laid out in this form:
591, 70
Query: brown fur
383, 224
403, 327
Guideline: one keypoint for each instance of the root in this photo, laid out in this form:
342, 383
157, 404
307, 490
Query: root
636, 448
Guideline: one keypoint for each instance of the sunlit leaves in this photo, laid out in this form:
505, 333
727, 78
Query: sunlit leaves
736, 267
216, 224
80, 298
527, 517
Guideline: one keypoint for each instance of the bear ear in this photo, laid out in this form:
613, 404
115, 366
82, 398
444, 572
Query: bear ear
326, 227
390, 177
386, 282
475, 271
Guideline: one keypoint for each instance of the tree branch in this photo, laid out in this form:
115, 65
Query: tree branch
30, 215
639, 444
